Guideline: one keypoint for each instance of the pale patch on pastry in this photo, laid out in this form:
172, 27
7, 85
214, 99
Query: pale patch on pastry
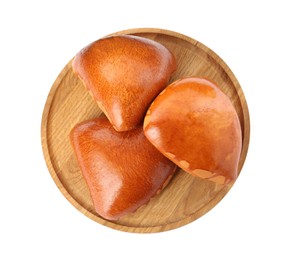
202, 173
148, 112
184, 164
146, 120
170, 155
153, 134
118, 121
218, 179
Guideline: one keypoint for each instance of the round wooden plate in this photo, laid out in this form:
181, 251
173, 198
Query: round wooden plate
186, 198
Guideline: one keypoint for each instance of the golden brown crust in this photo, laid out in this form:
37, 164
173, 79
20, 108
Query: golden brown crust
124, 73
194, 124
123, 170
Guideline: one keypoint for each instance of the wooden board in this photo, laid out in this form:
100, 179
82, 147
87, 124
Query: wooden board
186, 198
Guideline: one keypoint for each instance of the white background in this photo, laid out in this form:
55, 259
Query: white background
37, 38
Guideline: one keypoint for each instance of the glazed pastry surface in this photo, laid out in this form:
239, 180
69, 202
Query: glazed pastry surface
124, 74
194, 124
123, 170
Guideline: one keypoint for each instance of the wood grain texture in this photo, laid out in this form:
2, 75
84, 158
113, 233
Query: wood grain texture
186, 198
